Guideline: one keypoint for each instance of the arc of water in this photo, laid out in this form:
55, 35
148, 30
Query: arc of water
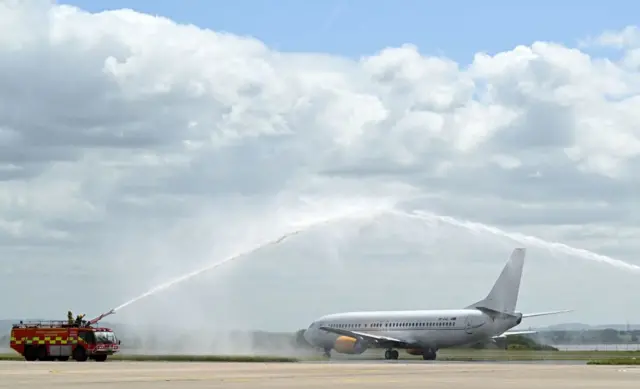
303, 227
195, 273
422, 215
522, 238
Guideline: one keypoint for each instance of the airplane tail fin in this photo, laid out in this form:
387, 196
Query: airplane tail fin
504, 295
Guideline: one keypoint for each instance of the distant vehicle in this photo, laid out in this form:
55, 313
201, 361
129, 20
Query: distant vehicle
61, 340
424, 332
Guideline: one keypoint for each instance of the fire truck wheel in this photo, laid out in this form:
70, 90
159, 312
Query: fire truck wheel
80, 354
42, 353
30, 354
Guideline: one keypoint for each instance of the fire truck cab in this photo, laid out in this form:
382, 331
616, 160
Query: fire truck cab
60, 340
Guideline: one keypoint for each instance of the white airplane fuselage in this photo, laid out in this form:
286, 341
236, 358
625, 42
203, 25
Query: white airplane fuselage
433, 329
423, 332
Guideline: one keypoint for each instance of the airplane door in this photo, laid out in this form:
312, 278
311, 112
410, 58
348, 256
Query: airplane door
468, 325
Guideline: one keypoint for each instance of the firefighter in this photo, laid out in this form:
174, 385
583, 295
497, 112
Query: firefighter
79, 320
70, 318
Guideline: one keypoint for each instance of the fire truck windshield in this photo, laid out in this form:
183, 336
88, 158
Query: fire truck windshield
105, 337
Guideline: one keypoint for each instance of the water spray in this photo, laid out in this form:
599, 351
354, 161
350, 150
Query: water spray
420, 215
522, 238
195, 273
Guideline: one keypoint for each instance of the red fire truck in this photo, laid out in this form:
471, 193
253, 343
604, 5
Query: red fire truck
60, 340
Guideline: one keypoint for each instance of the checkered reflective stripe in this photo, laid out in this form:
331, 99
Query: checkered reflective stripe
53, 340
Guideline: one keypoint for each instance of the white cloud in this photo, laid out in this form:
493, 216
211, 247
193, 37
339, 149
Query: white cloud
134, 149
628, 37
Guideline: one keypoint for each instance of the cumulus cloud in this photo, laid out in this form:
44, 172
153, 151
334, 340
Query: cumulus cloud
134, 149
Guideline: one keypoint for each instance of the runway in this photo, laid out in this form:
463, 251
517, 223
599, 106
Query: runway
160, 375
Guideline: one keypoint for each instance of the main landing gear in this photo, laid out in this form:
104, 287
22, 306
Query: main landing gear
391, 354
429, 354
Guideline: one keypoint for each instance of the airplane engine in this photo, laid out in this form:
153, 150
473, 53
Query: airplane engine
414, 351
349, 345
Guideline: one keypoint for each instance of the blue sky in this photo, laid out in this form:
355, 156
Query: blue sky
454, 28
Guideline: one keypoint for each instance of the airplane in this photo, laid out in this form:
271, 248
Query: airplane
424, 332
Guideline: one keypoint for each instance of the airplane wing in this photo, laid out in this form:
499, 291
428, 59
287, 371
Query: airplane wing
379, 340
525, 315
507, 333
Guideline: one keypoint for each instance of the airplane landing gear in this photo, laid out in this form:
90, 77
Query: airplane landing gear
429, 354
327, 352
391, 354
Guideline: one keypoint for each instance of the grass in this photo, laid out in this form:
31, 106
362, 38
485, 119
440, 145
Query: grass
530, 355
592, 357
471, 355
616, 361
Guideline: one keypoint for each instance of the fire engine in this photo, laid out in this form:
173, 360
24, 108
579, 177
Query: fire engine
61, 340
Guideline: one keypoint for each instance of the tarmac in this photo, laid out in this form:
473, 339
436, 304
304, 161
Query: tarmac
384, 374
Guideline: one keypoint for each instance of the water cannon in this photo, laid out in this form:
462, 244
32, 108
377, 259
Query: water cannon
102, 316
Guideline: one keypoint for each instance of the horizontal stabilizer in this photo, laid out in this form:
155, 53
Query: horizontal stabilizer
526, 315
509, 333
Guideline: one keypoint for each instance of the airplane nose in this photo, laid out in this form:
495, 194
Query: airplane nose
308, 335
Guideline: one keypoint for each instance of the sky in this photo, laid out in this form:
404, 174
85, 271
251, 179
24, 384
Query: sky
411, 146
456, 29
